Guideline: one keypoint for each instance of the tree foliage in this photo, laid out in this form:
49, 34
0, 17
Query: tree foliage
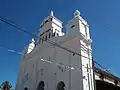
6, 85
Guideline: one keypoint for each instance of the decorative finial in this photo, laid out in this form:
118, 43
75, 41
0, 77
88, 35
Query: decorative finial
32, 41
51, 13
76, 13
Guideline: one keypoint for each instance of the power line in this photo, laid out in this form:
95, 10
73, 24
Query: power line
48, 61
20, 53
16, 26
10, 50
49, 41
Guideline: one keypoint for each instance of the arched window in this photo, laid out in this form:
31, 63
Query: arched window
46, 37
25, 88
57, 34
41, 85
72, 26
54, 34
49, 35
42, 38
50, 19
61, 85
46, 21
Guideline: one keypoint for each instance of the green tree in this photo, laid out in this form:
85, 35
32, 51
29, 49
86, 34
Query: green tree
6, 85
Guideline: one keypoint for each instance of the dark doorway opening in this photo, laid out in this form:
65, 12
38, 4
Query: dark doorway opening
61, 85
25, 88
41, 85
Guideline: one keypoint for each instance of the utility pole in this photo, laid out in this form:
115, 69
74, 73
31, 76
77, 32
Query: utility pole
93, 66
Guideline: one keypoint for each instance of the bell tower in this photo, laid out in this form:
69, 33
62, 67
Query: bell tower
79, 27
50, 27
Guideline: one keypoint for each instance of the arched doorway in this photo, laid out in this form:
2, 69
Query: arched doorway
41, 85
61, 85
25, 88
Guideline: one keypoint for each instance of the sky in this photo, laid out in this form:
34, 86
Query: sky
103, 17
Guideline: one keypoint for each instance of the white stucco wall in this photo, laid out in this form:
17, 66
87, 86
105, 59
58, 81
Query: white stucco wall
43, 63
51, 70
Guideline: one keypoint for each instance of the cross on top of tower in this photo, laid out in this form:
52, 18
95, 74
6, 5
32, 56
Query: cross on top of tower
51, 13
32, 41
76, 13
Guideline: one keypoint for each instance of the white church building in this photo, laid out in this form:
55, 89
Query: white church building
58, 61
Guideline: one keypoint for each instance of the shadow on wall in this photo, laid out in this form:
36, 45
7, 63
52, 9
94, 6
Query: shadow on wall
102, 85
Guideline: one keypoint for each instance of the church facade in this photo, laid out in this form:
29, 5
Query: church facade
58, 61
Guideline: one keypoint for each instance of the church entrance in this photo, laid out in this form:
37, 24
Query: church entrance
41, 85
61, 85
25, 88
